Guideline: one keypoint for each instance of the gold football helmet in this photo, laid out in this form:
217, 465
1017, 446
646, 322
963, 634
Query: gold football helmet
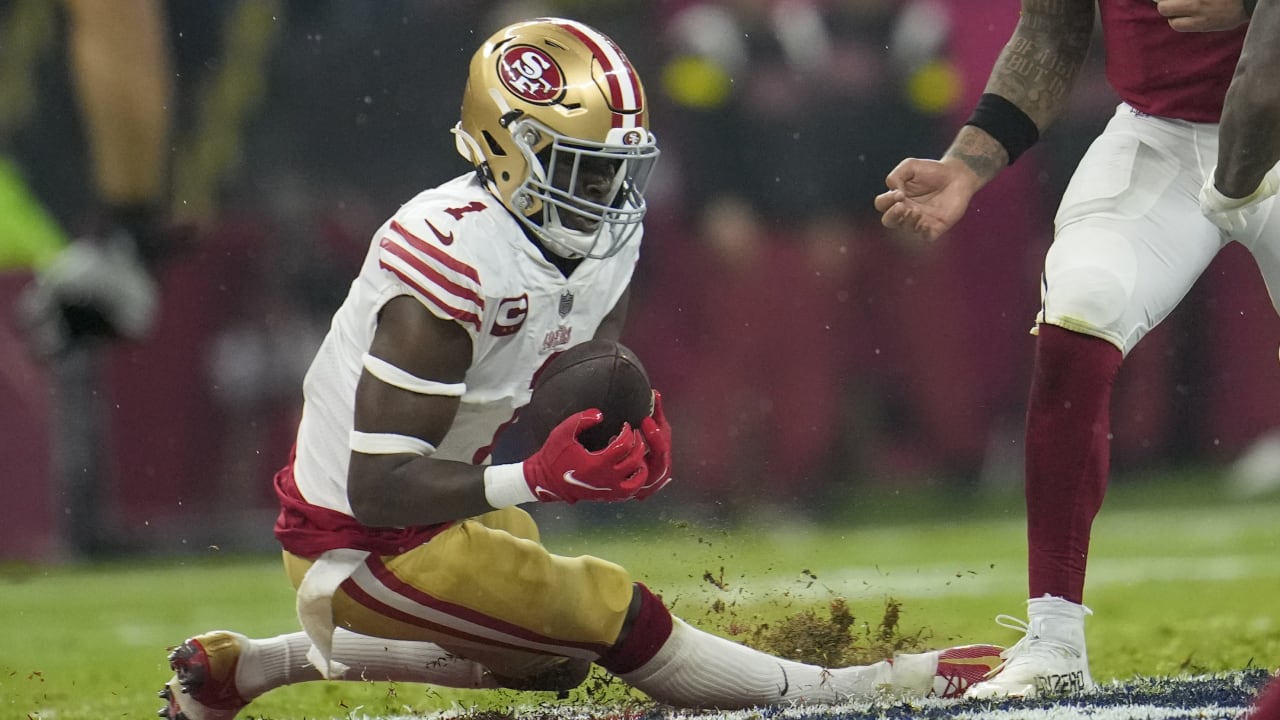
555, 120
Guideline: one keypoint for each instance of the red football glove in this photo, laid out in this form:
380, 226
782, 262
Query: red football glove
657, 435
563, 470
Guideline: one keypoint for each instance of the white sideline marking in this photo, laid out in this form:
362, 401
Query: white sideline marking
940, 581
1201, 556
958, 580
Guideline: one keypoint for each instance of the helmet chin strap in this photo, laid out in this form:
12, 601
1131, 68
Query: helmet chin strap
466, 145
552, 228
560, 251
469, 149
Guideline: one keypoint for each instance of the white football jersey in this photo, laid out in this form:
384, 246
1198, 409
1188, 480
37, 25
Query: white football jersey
458, 251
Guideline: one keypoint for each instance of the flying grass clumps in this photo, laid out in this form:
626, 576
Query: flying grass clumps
835, 638
830, 637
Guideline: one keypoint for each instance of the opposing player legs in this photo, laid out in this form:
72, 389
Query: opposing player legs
1130, 242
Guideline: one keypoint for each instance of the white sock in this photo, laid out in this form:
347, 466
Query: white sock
695, 669
269, 663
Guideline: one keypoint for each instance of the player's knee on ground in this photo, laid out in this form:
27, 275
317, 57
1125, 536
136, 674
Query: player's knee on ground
561, 676
481, 591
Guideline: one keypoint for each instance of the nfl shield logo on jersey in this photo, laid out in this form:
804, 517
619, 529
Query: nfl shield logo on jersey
566, 303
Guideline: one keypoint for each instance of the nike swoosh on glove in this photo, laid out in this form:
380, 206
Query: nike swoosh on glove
1233, 215
657, 435
564, 470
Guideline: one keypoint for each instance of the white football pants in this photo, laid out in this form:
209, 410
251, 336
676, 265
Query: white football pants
1129, 238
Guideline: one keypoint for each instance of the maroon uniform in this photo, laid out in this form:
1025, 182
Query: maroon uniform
1130, 241
1160, 71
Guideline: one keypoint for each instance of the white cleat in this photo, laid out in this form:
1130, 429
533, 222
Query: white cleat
1049, 660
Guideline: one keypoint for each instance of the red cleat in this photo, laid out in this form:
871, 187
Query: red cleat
962, 666
204, 683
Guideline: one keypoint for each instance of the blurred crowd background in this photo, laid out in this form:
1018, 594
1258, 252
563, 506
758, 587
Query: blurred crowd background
805, 354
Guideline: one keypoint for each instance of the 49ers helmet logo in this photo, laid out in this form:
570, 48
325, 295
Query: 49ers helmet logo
531, 74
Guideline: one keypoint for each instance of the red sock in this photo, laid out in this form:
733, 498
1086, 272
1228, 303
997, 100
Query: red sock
1068, 453
648, 634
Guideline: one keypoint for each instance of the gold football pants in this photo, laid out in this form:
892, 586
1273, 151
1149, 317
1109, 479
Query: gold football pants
488, 590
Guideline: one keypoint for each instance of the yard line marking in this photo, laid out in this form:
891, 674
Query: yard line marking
952, 580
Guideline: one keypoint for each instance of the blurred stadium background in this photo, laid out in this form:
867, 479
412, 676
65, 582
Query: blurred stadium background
805, 355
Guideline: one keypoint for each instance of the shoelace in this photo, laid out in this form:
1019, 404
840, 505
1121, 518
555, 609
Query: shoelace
1030, 646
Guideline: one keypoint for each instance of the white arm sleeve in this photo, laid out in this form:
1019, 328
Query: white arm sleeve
392, 375
389, 444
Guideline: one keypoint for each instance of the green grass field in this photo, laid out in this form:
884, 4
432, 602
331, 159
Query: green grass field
1182, 581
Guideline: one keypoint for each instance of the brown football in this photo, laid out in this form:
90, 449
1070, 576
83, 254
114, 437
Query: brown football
599, 373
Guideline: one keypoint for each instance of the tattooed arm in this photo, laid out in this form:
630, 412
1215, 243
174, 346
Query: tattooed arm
1035, 73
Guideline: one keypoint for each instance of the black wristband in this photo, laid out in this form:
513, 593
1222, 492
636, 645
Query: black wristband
1005, 122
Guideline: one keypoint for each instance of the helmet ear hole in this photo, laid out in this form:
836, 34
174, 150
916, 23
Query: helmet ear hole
494, 146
